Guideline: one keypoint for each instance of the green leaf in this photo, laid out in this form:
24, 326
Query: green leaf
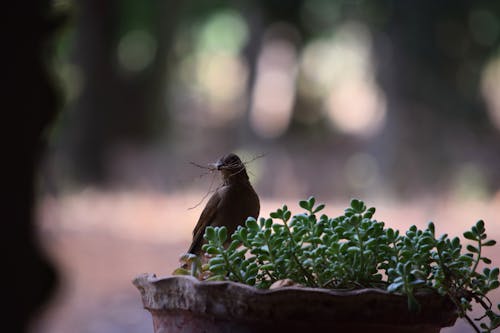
393, 287
267, 267
319, 208
277, 228
234, 245
209, 233
431, 227
369, 213
267, 233
353, 249
371, 241
222, 234
216, 261
250, 281
469, 235
480, 226
475, 231
486, 260
417, 282
252, 225
181, 271
494, 285
354, 220
489, 243
390, 233
473, 249
304, 204
367, 253
238, 254
356, 204
218, 268
210, 249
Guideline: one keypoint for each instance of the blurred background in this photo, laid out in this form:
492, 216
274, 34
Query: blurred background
393, 102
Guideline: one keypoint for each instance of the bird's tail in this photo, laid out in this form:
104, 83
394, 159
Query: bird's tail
195, 247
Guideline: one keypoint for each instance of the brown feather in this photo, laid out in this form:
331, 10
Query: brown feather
230, 205
207, 215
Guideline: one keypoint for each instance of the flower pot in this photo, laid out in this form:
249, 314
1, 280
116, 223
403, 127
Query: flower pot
184, 304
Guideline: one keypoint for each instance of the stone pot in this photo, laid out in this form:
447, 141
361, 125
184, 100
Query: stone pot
184, 304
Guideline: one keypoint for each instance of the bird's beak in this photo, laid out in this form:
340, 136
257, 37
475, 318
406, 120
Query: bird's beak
218, 165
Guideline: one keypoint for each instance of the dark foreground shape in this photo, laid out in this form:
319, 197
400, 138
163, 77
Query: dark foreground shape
184, 304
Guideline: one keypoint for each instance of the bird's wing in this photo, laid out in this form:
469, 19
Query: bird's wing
208, 212
206, 217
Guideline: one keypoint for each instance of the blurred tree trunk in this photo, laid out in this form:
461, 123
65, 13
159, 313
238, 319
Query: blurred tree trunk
29, 102
430, 68
259, 15
116, 105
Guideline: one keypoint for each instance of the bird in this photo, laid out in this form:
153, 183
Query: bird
230, 205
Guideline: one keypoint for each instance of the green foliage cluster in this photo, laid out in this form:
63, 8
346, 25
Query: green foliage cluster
354, 251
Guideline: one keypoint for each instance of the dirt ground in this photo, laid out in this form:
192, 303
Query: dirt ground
101, 241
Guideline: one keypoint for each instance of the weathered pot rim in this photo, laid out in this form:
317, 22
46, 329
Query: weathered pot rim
146, 279
227, 299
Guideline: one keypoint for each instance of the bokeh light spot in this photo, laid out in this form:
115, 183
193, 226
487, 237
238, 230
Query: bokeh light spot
357, 108
469, 182
222, 79
224, 31
484, 26
72, 78
136, 50
274, 92
339, 71
212, 69
490, 89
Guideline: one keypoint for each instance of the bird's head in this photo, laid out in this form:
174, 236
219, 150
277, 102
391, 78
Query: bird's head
230, 165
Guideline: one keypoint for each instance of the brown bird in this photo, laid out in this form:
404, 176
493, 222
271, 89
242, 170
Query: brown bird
230, 205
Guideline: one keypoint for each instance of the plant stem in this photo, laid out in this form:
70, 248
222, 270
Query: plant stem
471, 323
273, 279
230, 267
324, 285
452, 296
271, 259
361, 249
476, 263
306, 273
479, 248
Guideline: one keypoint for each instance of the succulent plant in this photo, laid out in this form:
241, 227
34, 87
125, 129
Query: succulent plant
354, 251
